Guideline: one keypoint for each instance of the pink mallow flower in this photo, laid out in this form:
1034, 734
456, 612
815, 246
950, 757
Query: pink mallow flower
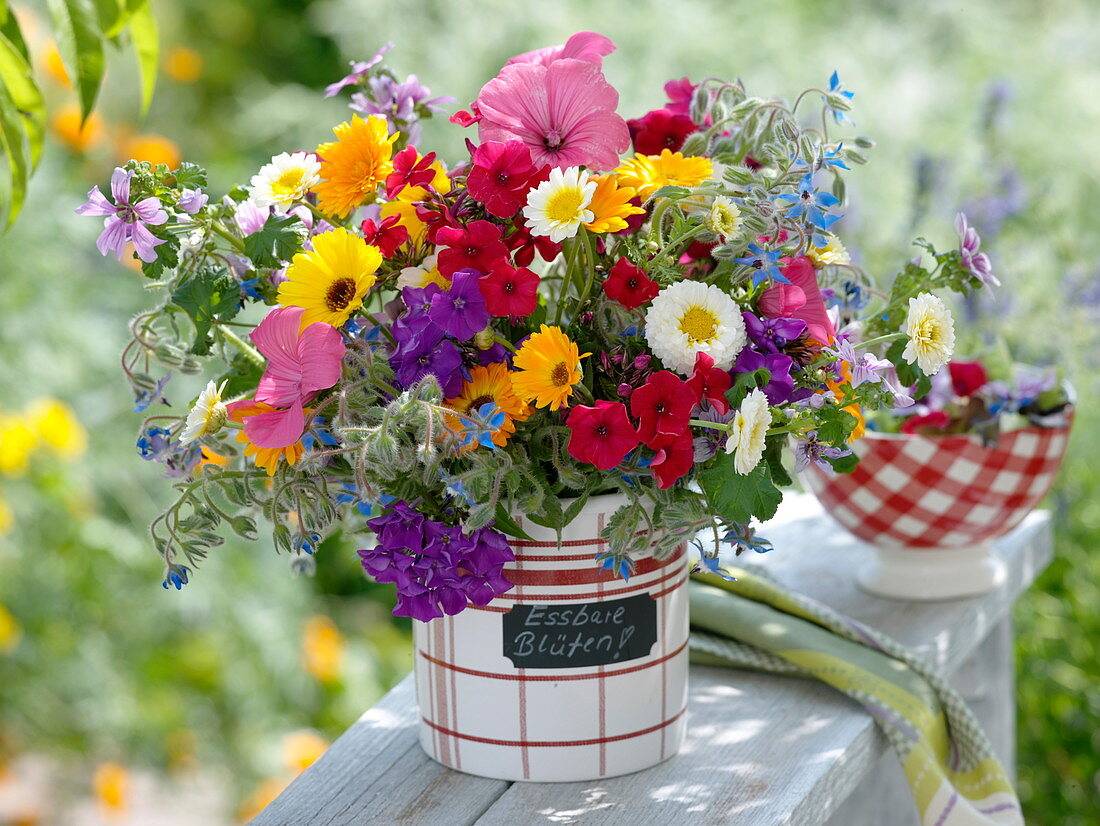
587, 46
298, 365
800, 299
124, 222
564, 112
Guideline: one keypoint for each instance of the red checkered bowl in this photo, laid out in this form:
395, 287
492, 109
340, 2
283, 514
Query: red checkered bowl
930, 505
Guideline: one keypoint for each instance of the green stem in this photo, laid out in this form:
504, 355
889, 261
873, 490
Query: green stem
237, 243
503, 342
250, 352
887, 337
590, 267
712, 425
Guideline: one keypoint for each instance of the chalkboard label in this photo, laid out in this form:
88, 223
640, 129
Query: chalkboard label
572, 635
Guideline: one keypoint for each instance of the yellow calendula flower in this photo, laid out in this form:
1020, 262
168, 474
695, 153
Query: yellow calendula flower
265, 457
648, 173
547, 367
58, 428
354, 164
323, 649
301, 749
490, 384
10, 631
17, 441
111, 784
329, 282
261, 796
611, 205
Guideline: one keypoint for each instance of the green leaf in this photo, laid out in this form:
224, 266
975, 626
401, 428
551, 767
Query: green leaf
276, 242
773, 455
14, 184
18, 80
844, 464
242, 377
551, 516
738, 498
143, 32
9, 27
190, 176
208, 296
80, 39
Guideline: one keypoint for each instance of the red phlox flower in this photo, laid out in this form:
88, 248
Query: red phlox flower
679, 94
524, 245
930, 424
601, 435
710, 383
800, 299
500, 177
388, 236
967, 377
662, 407
697, 251
409, 169
660, 129
674, 458
629, 285
472, 247
508, 290
464, 118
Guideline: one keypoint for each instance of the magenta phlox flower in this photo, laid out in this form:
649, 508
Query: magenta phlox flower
359, 69
124, 222
564, 112
587, 46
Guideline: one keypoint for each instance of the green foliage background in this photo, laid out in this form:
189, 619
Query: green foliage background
110, 666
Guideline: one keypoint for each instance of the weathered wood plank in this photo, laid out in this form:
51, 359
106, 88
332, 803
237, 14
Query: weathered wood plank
761, 749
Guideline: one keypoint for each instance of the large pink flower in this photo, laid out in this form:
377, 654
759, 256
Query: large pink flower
800, 299
587, 46
564, 112
297, 367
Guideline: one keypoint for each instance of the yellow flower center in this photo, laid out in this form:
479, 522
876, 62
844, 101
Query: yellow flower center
564, 206
699, 325
559, 376
341, 293
287, 185
928, 334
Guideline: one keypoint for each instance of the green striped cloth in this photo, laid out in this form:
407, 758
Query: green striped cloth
753, 622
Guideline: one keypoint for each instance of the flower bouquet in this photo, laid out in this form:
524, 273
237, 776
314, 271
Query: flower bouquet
528, 380
942, 476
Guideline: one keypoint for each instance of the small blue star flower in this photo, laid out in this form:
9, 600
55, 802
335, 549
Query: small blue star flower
766, 264
456, 488
487, 420
709, 564
621, 566
744, 538
176, 576
147, 397
836, 88
809, 204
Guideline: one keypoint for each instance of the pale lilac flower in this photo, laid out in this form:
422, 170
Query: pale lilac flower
867, 367
398, 103
358, 70
250, 217
818, 452
192, 200
976, 262
125, 222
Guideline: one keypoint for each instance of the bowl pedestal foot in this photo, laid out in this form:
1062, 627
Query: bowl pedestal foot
929, 574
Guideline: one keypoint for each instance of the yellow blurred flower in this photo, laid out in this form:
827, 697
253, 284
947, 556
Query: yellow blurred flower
301, 749
111, 784
263, 794
17, 442
183, 65
10, 631
7, 521
152, 148
67, 128
322, 649
56, 426
55, 64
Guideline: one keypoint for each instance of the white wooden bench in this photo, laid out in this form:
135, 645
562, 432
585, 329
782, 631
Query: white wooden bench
761, 749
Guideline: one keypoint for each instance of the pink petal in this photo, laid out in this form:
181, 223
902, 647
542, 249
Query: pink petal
149, 211
280, 428
516, 99
114, 237
587, 46
800, 299
120, 185
321, 354
145, 243
277, 338
97, 204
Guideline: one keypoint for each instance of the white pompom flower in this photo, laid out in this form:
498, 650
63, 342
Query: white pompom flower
931, 332
690, 317
207, 416
559, 205
285, 180
749, 431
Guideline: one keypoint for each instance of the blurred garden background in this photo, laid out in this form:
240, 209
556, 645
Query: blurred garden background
118, 698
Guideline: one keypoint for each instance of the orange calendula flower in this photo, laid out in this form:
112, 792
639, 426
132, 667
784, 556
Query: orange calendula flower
547, 366
265, 457
153, 148
183, 65
840, 391
611, 205
648, 173
77, 135
301, 749
490, 384
322, 649
112, 787
354, 164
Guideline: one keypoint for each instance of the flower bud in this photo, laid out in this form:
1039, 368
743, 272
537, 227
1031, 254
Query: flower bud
483, 339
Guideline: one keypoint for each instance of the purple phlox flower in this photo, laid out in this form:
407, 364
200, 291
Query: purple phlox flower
192, 200
814, 450
176, 577
771, 335
744, 538
147, 398
481, 425
461, 310
835, 88
422, 349
419, 299
483, 567
359, 69
620, 566
123, 222
710, 563
764, 262
809, 204
250, 217
708, 441
494, 354
776, 369
976, 263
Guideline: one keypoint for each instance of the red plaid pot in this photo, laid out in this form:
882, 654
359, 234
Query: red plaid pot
921, 492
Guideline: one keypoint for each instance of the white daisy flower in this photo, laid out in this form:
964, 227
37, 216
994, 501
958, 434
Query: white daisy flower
748, 432
690, 317
285, 180
557, 207
832, 253
931, 332
724, 218
423, 275
207, 416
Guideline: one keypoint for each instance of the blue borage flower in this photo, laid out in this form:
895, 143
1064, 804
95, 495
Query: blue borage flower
621, 566
145, 398
306, 543
455, 488
809, 204
480, 426
765, 263
350, 495
835, 88
249, 291
318, 435
853, 298
829, 159
744, 538
177, 576
710, 564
